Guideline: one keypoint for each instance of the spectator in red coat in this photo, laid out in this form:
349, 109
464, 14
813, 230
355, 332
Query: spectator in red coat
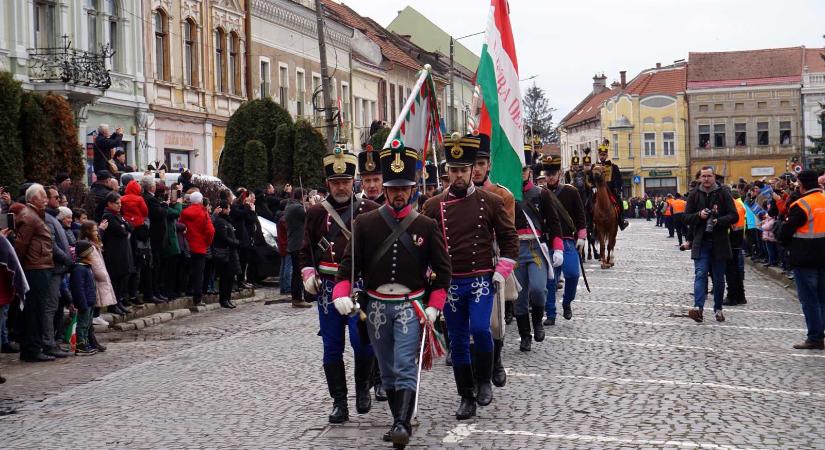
199, 235
134, 208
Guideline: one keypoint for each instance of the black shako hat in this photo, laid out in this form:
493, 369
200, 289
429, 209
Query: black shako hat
461, 151
340, 164
529, 156
430, 175
368, 162
484, 146
398, 164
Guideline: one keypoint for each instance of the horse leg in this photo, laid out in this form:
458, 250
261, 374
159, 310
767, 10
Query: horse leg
604, 255
611, 246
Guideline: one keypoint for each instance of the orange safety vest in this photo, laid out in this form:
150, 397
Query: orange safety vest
668, 208
814, 207
740, 209
678, 206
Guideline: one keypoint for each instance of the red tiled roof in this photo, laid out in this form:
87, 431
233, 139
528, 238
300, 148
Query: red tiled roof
813, 59
588, 109
375, 32
764, 65
668, 81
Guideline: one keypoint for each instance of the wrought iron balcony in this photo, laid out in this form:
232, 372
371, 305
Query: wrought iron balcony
71, 66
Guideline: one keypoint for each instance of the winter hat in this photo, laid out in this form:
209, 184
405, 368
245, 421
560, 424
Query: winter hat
83, 249
196, 198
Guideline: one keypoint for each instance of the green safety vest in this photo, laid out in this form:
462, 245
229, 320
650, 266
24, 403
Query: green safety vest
648, 204
624, 202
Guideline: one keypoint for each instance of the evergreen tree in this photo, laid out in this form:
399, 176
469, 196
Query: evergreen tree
255, 172
308, 157
38, 139
281, 153
11, 150
538, 115
378, 138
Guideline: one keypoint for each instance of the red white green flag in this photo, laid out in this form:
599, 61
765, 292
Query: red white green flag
418, 124
501, 116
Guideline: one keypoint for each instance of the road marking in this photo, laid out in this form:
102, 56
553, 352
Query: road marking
669, 324
674, 305
463, 431
685, 347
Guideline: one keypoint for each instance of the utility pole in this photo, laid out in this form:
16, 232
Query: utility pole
325, 87
452, 86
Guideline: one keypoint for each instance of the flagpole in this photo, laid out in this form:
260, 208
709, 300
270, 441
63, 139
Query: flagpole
400, 119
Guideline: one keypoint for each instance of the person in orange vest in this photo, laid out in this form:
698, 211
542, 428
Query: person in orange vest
804, 230
677, 207
735, 267
669, 215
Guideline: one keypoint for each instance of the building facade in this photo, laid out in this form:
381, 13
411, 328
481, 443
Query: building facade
646, 124
813, 101
88, 51
194, 79
745, 112
581, 128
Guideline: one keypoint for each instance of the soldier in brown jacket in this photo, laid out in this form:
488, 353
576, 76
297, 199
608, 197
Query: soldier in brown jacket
33, 246
397, 286
469, 220
328, 228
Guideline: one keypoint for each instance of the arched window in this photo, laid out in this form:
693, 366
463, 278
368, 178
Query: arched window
91, 22
161, 45
234, 64
220, 66
190, 53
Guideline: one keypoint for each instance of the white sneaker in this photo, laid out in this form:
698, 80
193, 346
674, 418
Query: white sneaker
100, 321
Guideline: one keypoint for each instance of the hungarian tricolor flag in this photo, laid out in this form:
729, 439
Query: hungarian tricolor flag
418, 124
501, 117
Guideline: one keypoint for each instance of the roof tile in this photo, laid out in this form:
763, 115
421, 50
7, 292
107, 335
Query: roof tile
764, 64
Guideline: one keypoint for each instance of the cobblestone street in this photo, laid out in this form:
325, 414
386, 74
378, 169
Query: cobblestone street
630, 370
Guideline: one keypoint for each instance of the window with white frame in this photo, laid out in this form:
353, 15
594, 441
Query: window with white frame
650, 144
266, 78
220, 65
161, 45
300, 92
234, 63
669, 143
44, 24
345, 104
316, 88
190, 53
615, 145
91, 22
111, 10
283, 85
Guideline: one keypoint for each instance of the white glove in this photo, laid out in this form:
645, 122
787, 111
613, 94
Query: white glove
431, 314
344, 305
558, 258
580, 245
498, 278
310, 280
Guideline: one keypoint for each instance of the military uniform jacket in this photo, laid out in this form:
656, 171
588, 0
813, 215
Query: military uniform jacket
506, 196
319, 225
468, 226
615, 182
537, 204
572, 202
397, 265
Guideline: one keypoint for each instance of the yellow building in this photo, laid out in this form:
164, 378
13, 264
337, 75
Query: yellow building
646, 123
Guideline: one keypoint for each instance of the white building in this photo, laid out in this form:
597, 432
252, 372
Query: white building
813, 95
67, 47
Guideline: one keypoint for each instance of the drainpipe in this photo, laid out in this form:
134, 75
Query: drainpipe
248, 35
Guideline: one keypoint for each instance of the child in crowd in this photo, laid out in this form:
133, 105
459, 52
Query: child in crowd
84, 296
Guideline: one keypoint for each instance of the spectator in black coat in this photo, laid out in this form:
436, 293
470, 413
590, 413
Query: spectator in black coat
105, 145
245, 220
295, 218
95, 203
157, 232
120, 162
117, 251
225, 253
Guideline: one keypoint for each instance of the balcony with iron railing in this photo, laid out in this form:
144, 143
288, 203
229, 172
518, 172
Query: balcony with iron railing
70, 66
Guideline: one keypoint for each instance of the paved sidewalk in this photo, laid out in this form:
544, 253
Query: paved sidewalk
629, 371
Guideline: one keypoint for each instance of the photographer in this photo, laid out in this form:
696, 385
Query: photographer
709, 212
105, 145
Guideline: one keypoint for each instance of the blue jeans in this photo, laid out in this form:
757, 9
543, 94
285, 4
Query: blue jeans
702, 266
333, 324
4, 317
810, 286
772, 251
531, 273
467, 312
285, 274
395, 335
570, 269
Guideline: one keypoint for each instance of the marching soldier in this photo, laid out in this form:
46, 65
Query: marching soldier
537, 224
443, 177
369, 166
393, 247
430, 180
469, 219
327, 233
574, 238
481, 180
613, 177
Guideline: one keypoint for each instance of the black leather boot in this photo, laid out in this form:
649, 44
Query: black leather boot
483, 375
378, 387
523, 322
337, 384
363, 381
402, 428
464, 383
499, 375
391, 399
508, 312
538, 327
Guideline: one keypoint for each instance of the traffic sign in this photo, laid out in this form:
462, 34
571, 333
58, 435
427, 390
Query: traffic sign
637, 179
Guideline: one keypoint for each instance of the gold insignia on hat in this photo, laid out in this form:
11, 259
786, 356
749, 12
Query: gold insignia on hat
397, 164
370, 164
339, 166
457, 152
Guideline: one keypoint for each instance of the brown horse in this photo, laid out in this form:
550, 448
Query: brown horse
604, 219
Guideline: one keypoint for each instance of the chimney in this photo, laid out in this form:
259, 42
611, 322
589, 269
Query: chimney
658, 65
599, 83
623, 76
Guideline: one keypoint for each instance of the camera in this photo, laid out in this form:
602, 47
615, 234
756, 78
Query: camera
711, 218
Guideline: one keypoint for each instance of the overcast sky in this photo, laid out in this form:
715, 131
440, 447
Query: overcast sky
565, 43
